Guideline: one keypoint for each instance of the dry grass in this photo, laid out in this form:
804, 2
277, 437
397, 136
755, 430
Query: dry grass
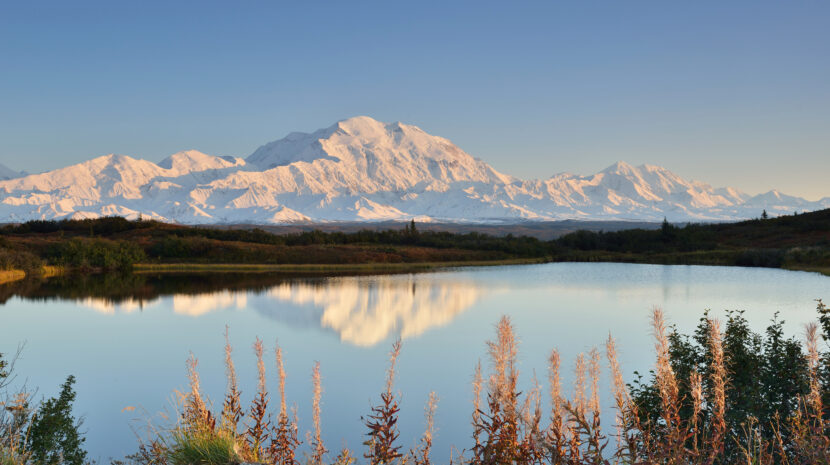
718, 422
507, 424
382, 422
232, 412
317, 447
421, 456
8, 276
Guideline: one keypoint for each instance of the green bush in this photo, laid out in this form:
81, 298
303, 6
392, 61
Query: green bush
45, 434
53, 434
96, 253
766, 375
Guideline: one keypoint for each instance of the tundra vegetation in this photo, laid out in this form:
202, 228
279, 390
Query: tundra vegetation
795, 241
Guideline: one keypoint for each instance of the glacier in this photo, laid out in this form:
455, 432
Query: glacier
360, 169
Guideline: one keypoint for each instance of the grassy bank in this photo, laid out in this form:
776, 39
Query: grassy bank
825, 270
46, 271
8, 276
791, 242
320, 268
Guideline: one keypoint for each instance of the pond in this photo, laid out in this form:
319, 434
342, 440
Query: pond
127, 338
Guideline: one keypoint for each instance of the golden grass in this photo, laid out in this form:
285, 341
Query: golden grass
9, 276
318, 450
50, 271
232, 407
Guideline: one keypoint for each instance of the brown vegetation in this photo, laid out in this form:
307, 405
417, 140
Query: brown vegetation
507, 424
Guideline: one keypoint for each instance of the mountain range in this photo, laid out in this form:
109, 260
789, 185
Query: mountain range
361, 169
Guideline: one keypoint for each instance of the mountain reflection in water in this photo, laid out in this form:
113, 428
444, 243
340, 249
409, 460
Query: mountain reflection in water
361, 310
366, 311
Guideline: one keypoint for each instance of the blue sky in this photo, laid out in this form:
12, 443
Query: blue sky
732, 93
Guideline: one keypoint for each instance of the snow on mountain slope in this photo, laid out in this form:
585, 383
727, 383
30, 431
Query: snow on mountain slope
193, 161
361, 169
372, 156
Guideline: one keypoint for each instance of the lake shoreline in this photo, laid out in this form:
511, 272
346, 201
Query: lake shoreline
15, 275
323, 268
797, 242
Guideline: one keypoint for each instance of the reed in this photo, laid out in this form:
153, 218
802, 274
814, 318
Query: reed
627, 420
498, 426
318, 449
718, 369
260, 418
507, 427
196, 414
477, 429
285, 435
382, 422
556, 435
232, 406
674, 439
422, 454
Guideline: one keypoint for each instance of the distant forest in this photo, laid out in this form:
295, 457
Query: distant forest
796, 241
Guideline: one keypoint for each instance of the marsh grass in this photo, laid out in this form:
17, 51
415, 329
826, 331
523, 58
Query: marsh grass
688, 422
202, 448
15, 429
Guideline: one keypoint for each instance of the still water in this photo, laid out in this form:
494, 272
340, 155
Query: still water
126, 339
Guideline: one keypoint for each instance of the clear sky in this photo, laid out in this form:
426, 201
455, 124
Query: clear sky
731, 93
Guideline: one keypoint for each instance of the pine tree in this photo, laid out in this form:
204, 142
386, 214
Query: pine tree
54, 436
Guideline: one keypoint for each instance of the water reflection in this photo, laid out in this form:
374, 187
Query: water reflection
361, 310
108, 307
126, 337
200, 304
365, 312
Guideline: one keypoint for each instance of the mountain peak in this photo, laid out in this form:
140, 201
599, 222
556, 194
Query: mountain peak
188, 161
368, 127
111, 159
362, 169
358, 124
620, 167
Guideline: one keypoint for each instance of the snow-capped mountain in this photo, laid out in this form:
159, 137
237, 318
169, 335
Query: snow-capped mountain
363, 169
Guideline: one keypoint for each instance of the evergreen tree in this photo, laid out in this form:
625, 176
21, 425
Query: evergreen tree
53, 437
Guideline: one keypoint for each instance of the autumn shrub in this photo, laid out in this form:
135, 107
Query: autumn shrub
722, 395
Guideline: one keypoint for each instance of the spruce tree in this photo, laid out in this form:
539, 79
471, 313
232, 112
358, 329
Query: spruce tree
54, 437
